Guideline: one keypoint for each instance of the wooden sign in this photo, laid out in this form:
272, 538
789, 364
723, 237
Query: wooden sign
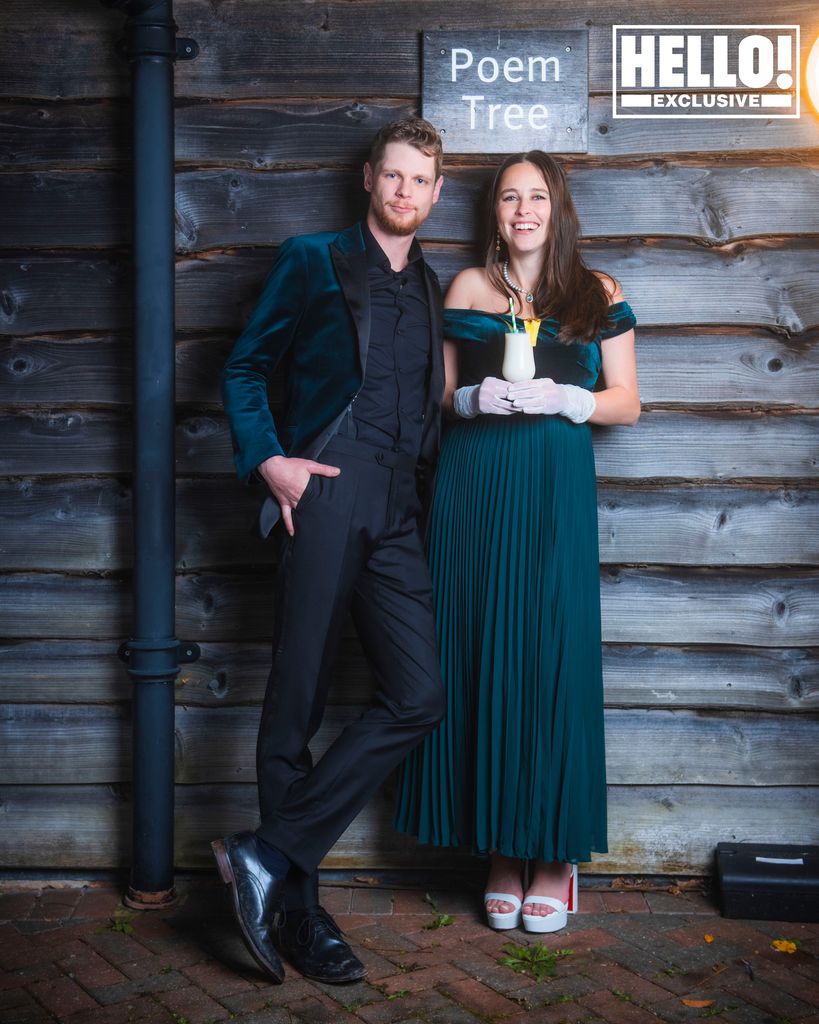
506, 92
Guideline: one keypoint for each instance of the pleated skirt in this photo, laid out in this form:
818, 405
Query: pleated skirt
518, 764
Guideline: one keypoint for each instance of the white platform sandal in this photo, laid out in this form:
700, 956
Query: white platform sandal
511, 919
555, 921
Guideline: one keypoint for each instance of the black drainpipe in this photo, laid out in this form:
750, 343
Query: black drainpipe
153, 653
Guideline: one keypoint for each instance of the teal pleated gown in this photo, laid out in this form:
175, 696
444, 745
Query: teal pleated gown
518, 764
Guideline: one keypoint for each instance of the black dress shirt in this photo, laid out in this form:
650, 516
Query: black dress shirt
389, 408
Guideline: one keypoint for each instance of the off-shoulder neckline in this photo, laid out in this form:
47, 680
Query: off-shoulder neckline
505, 316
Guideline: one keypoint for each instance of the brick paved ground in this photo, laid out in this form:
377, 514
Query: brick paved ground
71, 952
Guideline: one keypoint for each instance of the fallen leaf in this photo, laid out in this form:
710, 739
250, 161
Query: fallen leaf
689, 885
708, 938
784, 945
631, 883
698, 1004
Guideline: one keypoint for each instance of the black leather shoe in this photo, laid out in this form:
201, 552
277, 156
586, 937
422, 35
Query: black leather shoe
256, 896
311, 940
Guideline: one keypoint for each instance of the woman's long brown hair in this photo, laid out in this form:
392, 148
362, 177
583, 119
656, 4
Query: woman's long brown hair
567, 289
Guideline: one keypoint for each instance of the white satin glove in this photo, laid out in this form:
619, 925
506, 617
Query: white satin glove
543, 396
490, 396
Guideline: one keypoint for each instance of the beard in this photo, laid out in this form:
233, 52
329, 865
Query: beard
393, 224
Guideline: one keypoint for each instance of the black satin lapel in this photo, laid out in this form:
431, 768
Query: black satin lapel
269, 514
351, 269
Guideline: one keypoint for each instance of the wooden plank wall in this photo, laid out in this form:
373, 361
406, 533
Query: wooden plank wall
709, 508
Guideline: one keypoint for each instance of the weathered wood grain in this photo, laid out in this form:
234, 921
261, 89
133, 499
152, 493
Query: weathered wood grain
643, 747
663, 445
758, 608
714, 204
44, 57
78, 524
257, 48
217, 209
728, 368
84, 525
610, 137
686, 607
227, 674
64, 672
64, 134
36, 605
770, 285
249, 134
667, 830
667, 445
258, 134
84, 442
51, 744
261, 134
711, 677
708, 525
67, 827
70, 209
65, 293
683, 366
35, 370
76, 744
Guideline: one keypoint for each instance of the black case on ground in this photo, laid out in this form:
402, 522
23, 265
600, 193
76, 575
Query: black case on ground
768, 881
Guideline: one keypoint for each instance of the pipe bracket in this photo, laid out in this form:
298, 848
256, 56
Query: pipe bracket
150, 31
187, 652
187, 49
156, 660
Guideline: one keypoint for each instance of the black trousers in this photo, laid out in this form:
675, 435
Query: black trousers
356, 549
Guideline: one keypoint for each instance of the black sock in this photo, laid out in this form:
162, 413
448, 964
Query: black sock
273, 860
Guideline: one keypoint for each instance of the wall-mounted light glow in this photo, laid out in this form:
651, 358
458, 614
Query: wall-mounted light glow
812, 75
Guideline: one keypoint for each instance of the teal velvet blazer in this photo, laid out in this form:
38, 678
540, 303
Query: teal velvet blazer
314, 311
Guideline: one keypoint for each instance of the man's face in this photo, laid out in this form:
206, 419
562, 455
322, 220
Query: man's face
402, 188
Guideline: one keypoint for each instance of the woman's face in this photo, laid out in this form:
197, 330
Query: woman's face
523, 208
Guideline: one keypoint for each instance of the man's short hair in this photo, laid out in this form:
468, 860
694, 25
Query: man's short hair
416, 132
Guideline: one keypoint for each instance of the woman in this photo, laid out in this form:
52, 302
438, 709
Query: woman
517, 769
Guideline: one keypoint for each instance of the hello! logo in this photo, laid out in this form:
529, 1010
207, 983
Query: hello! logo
705, 71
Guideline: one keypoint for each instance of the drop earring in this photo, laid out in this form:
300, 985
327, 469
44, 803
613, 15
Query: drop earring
497, 244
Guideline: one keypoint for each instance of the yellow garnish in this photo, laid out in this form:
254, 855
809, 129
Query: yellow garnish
532, 327
708, 938
784, 945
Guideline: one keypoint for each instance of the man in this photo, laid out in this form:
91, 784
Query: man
358, 318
